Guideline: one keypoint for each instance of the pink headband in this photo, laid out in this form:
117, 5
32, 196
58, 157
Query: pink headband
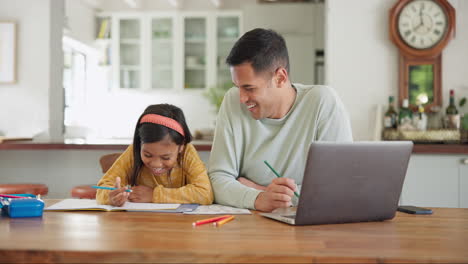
164, 121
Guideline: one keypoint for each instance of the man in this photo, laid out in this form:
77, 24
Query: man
275, 121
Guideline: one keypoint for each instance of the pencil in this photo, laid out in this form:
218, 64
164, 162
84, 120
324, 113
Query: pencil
222, 222
108, 188
11, 196
210, 220
277, 174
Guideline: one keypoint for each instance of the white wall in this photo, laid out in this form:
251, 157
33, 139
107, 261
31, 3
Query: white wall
362, 62
80, 21
24, 106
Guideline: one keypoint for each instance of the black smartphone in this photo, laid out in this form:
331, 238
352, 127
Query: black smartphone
409, 209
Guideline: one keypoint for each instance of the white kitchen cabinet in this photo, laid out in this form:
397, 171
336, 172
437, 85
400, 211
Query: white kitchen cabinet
128, 42
172, 51
436, 181
227, 33
162, 52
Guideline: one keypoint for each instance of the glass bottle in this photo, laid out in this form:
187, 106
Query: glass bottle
390, 117
319, 74
420, 119
452, 118
405, 116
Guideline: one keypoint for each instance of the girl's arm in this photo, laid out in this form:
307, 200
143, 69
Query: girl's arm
122, 168
198, 188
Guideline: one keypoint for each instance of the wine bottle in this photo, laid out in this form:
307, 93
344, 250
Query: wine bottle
452, 118
390, 117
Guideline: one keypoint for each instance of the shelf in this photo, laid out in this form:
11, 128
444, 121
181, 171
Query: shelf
162, 40
197, 67
195, 41
162, 68
130, 67
227, 40
130, 41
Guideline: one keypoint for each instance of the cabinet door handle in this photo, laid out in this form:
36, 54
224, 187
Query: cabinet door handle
464, 161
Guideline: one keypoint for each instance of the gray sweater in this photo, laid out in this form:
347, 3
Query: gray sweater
241, 143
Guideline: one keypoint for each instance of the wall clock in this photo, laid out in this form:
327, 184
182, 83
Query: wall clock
421, 29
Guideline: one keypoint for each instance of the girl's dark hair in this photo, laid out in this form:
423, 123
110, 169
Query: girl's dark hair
265, 49
149, 133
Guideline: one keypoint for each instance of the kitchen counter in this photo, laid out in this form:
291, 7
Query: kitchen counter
200, 145
440, 149
80, 144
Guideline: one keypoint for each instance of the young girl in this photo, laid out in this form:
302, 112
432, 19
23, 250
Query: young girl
161, 166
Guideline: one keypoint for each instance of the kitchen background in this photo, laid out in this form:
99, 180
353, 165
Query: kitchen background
361, 63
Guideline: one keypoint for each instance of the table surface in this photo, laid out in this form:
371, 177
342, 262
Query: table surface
130, 237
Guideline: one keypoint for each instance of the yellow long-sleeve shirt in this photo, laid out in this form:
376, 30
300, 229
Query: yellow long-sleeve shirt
191, 186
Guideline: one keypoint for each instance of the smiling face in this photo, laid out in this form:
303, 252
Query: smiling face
161, 156
258, 92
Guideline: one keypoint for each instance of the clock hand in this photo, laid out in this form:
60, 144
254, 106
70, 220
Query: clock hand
421, 21
418, 26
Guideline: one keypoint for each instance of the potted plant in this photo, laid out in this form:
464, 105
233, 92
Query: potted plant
215, 94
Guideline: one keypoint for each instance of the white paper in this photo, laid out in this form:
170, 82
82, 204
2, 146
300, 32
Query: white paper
89, 204
215, 209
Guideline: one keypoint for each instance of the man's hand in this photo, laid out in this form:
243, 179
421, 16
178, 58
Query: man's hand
278, 194
251, 184
119, 196
141, 194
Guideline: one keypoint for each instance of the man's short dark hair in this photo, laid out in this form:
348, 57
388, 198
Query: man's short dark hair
265, 49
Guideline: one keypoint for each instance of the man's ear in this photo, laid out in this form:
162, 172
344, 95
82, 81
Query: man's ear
281, 76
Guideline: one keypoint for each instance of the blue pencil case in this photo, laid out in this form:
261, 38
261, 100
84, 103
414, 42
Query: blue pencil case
26, 207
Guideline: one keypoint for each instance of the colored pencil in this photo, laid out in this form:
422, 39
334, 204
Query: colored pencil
277, 174
210, 220
11, 196
108, 188
222, 222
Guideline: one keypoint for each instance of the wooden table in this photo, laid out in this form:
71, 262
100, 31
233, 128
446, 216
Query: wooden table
156, 237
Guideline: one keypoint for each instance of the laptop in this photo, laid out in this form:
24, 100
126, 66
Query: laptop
349, 182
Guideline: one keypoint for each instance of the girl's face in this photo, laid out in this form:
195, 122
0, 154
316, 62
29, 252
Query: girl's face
160, 157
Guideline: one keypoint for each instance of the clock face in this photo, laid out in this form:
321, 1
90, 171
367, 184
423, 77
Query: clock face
422, 24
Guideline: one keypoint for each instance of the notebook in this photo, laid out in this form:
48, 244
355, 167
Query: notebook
349, 182
92, 205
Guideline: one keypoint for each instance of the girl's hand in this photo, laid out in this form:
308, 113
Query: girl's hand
141, 194
119, 196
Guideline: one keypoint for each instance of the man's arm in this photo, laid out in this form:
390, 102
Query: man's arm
225, 159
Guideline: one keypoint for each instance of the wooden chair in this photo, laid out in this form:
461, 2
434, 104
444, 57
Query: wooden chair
88, 192
106, 161
17, 188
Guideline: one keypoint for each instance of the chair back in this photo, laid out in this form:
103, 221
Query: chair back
106, 161
87, 191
